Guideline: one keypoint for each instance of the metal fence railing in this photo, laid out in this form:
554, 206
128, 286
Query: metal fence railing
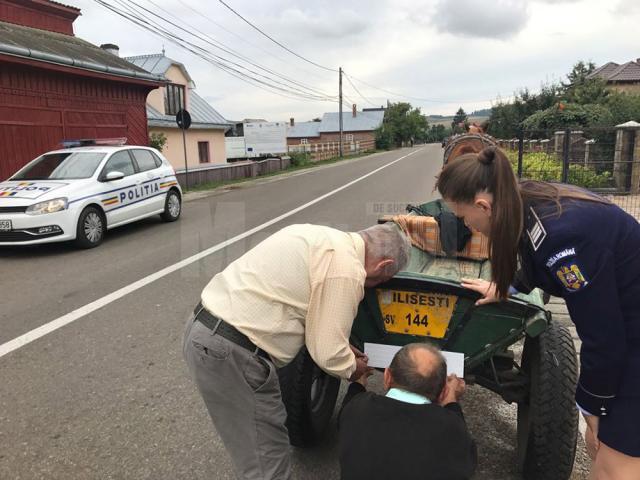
604, 160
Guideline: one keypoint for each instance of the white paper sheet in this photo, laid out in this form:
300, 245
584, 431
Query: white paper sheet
380, 356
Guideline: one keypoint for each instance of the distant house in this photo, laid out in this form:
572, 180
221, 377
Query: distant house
623, 78
56, 86
358, 129
206, 136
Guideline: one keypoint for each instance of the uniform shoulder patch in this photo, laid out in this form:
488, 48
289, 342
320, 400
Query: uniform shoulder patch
536, 232
571, 277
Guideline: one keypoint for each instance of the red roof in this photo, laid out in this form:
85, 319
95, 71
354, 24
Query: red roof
613, 72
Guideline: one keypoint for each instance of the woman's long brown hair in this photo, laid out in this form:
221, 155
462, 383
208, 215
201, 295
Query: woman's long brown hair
490, 171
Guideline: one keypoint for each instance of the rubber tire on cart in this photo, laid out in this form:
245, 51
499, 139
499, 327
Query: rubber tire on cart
309, 395
172, 207
91, 228
548, 420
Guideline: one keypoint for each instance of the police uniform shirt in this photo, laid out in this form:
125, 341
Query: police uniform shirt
590, 256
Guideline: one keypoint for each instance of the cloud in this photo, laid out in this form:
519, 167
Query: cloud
500, 19
325, 24
626, 7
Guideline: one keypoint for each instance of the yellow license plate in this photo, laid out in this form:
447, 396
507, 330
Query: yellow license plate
415, 313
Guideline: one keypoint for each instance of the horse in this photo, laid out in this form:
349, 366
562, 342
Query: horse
472, 141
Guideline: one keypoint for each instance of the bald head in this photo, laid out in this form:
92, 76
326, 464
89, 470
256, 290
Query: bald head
419, 368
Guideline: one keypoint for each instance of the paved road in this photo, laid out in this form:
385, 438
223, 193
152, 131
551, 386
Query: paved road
107, 396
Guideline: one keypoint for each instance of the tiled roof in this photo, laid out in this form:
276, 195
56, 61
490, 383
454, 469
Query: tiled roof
158, 64
66, 50
612, 72
304, 130
203, 115
362, 122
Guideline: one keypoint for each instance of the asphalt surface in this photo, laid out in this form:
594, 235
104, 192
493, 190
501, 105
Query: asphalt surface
108, 396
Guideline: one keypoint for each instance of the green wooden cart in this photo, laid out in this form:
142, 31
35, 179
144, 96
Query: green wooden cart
425, 303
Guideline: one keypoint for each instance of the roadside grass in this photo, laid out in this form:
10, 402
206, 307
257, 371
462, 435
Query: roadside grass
305, 166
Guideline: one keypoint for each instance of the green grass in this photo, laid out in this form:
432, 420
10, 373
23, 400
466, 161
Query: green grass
213, 185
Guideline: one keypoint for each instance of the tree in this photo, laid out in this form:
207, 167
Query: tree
459, 121
157, 140
568, 116
583, 90
402, 124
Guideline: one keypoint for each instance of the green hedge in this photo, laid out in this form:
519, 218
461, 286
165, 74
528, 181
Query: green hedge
542, 166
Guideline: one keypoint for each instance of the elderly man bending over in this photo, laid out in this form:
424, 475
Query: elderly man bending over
301, 286
417, 431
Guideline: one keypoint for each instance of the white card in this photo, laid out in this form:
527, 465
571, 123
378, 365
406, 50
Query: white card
380, 356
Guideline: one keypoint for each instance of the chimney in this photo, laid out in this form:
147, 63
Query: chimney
354, 110
292, 122
111, 48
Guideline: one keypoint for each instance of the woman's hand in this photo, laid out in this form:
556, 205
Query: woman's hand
483, 287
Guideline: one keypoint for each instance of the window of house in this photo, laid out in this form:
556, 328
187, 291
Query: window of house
304, 141
173, 99
203, 152
348, 137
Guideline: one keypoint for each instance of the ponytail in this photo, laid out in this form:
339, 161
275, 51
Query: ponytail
490, 171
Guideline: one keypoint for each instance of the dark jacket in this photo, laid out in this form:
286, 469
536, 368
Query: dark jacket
383, 438
590, 256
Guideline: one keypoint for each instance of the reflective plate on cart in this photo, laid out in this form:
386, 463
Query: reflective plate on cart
416, 313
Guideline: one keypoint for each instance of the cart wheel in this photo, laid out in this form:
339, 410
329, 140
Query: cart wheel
548, 419
309, 395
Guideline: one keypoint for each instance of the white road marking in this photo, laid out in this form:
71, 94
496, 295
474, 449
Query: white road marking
70, 317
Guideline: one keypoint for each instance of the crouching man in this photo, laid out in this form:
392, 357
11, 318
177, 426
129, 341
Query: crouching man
415, 431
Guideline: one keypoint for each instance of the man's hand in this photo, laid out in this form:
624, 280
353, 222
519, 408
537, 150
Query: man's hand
364, 378
483, 287
359, 354
453, 390
591, 435
361, 369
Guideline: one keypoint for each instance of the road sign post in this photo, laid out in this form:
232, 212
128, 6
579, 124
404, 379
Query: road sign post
183, 119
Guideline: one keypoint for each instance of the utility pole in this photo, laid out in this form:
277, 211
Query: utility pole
340, 108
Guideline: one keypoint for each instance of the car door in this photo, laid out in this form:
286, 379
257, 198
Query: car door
119, 201
149, 167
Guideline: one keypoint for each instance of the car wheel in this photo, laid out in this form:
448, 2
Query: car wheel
172, 207
309, 395
91, 228
548, 419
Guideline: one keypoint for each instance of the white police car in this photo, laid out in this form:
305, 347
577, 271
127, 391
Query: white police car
79, 193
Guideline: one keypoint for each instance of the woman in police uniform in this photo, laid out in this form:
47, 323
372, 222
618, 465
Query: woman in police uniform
576, 245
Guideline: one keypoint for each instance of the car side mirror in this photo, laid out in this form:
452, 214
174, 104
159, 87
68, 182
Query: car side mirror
111, 176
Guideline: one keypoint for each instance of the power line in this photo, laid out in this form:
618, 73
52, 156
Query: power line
277, 42
219, 45
314, 92
200, 52
358, 91
244, 40
139, 19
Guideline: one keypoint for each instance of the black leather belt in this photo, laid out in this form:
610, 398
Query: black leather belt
219, 327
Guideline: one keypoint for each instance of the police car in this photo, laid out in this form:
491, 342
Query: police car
79, 192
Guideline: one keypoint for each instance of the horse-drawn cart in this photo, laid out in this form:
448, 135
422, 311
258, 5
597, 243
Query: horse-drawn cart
512, 348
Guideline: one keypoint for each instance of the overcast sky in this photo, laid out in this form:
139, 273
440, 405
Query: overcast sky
451, 52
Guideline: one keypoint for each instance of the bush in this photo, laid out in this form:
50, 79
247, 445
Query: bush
569, 115
157, 140
299, 159
548, 168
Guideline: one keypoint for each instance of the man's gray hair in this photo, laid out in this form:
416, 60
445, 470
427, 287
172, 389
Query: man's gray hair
388, 241
407, 376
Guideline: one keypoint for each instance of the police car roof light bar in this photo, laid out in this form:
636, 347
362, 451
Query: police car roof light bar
90, 142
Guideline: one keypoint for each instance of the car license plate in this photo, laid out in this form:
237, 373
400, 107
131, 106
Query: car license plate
416, 313
5, 225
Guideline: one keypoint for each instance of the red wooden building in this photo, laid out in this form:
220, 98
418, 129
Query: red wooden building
55, 86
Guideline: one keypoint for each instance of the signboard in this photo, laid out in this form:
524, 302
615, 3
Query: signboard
183, 119
265, 138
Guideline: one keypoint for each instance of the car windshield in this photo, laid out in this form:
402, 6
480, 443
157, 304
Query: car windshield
61, 166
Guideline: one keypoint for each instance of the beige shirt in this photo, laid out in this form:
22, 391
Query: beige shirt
302, 285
